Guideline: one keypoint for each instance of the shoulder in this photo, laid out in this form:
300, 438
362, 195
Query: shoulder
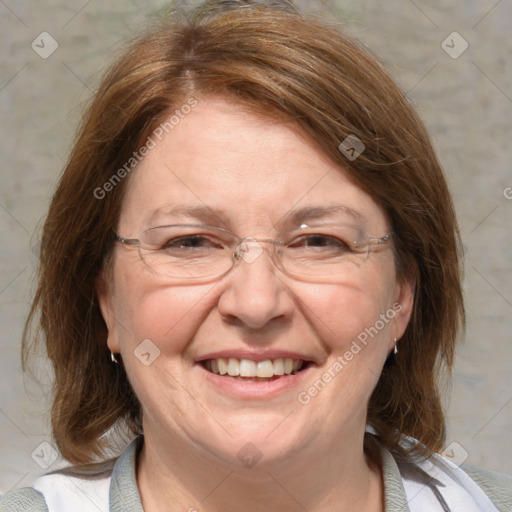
62, 491
496, 485
89, 488
438, 480
23, 500
439, 483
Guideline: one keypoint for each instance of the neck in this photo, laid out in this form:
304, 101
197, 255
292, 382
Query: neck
325, 479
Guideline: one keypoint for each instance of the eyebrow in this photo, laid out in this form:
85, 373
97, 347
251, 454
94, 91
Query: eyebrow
208, 215
309, 213
201, 213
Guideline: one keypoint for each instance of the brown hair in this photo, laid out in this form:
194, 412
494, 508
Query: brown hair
276, 62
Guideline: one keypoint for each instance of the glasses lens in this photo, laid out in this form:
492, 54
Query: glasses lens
324, 250
187, 251
193, 251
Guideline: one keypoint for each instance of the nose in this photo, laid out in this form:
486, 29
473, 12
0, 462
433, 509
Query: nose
254, 294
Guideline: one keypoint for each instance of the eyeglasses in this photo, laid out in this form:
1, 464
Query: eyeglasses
194, 252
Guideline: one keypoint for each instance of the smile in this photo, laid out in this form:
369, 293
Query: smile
281, 374
247, 368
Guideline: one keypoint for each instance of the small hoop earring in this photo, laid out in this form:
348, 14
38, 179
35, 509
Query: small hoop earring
113, 358
396, 347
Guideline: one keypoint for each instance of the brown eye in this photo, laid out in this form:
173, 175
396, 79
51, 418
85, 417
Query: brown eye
319, 241
191, 242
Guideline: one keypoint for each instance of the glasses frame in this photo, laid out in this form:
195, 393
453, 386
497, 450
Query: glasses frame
237, 253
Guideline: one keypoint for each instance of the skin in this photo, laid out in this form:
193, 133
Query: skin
252, 171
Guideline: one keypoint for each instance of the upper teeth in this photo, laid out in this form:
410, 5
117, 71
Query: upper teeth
248, 368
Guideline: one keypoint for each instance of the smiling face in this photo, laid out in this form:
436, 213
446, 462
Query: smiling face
223, 166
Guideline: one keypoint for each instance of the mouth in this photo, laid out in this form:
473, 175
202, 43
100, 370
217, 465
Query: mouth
247, 370
246, 379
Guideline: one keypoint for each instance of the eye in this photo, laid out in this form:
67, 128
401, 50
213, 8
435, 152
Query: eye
191, 242
319, 241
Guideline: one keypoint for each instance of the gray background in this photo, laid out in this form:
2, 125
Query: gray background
466, 103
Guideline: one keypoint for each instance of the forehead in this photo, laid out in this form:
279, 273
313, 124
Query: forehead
247, 170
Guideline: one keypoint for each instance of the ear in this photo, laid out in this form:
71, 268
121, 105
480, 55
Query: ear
104, 292
403, 306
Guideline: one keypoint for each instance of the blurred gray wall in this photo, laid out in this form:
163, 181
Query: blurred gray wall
465, 98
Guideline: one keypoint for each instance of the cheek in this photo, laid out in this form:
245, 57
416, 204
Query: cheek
354, 323
360, 311
167, 315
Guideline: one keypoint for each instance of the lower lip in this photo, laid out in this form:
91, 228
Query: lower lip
255, 389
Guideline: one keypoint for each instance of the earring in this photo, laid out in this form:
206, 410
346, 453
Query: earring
113, 358
396, 348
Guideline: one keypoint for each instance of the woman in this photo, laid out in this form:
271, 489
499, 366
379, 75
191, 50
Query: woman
251, 266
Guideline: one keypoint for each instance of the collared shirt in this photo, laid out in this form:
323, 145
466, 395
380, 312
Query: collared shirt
409, 486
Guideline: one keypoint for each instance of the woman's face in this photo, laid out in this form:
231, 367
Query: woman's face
223, 166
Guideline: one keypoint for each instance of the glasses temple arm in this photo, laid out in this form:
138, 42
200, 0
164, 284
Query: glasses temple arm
126, 241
